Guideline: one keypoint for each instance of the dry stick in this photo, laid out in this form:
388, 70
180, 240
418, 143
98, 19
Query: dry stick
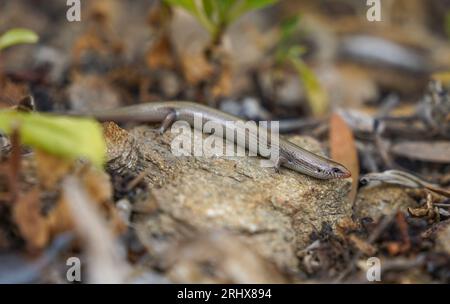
15, 165
385, 222
105, 262
381, 148
137, 179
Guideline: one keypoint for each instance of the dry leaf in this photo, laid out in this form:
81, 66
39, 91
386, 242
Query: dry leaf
223, 85
195, 68
59, 219
98, 186
159, 55
51, 169
397, 177
11, 93
343, 149
30, 221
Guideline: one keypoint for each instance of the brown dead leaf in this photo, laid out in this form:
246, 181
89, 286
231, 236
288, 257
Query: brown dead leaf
196, 68
343, 149
87, 42
98, 186
59, 219
30, 221
37, 228
51, 169
160, 54
11, 93
223, 85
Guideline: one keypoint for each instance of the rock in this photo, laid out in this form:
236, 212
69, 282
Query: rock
443, 237
375, 202
273, 213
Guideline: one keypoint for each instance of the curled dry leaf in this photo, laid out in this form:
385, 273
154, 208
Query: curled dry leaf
343, 149
428, 210
397, 177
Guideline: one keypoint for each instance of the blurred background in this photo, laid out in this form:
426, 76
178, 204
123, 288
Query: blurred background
137, 51
298, 62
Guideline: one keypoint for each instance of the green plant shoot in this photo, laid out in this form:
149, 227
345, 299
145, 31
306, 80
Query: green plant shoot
291, 53
216, 15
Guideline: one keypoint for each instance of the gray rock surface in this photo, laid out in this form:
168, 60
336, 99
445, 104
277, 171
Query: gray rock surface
377, 201
274, 213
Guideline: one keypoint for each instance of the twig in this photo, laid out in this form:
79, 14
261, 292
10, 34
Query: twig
376, 233
105, 263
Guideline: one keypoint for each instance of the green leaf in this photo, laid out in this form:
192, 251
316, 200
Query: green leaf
216, 15
17, 36
224, 8
68, 137
289, 27
188, 5
210, 8
317, 96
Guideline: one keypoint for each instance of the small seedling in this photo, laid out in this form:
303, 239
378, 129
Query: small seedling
217, 15
291, 53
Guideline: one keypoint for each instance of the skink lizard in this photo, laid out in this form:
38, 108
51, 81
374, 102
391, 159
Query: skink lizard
290, 155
